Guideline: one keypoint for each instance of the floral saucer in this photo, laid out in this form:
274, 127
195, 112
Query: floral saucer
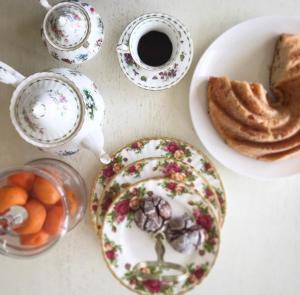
124, 245
157, 80
158, 147
156, 167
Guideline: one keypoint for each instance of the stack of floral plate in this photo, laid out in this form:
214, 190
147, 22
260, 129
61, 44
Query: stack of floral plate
181, 176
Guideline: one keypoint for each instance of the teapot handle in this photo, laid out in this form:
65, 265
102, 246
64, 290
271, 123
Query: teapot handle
45, 4
9, 76
95, 143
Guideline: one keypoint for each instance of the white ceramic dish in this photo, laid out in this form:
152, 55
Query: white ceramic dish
124, 244
157, 79
244, 52
156, 147
157, 167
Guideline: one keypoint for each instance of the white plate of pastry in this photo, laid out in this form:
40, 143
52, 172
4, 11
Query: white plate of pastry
245, 98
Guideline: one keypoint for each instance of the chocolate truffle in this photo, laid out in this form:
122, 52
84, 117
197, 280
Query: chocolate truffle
183, 234
153, 214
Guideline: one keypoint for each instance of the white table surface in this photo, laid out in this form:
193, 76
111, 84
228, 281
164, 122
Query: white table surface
260, 251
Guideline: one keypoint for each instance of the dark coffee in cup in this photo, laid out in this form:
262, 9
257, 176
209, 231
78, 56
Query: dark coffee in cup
153, 44
155, 48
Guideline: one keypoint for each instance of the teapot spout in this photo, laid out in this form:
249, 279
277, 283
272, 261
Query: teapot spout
10, 76
95, 143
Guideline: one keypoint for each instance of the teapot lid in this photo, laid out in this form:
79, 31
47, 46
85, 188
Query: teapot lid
67, 25
47, 110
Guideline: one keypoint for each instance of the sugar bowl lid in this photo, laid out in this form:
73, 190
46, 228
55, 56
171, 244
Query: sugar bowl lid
47, 110
66, 25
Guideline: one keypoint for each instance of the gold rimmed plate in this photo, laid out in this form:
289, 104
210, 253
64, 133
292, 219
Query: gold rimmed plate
156, 147
156, 167
126, 247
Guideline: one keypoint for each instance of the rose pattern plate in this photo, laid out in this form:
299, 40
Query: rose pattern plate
157, 80
124, 244
157, 147
156, 167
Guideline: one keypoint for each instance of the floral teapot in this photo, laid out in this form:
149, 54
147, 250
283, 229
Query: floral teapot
72, 31
58, 111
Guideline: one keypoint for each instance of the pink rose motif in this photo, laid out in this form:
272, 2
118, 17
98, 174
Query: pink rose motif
197, 213
212, 241
111, 255
199, 273
154, 286
136, 146
171, 167
95, 207
117, 168
106, 204
120, 218
122, 208
132, 169
172, 186
172, 147
209, 192
208, 167
204, 221
108, 172
133, 282
192, 279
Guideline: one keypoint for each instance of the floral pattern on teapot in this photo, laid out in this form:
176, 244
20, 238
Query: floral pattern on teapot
62, 34
86, 49
61, 111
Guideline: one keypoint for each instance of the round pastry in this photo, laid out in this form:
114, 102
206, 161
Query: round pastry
153, 214
183, 234
253, 122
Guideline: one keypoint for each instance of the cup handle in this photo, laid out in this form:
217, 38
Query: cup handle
122, 48
9, 76
95, 143
45, 4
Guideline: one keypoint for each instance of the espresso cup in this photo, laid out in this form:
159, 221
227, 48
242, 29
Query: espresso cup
157, 24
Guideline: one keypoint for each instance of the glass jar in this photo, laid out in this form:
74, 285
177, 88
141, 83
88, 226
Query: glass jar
56, 201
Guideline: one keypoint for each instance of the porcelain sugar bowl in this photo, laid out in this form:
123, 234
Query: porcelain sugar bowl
58, 111
72, 31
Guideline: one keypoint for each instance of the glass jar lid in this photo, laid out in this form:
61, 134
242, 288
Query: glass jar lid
67, 25
47, 110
